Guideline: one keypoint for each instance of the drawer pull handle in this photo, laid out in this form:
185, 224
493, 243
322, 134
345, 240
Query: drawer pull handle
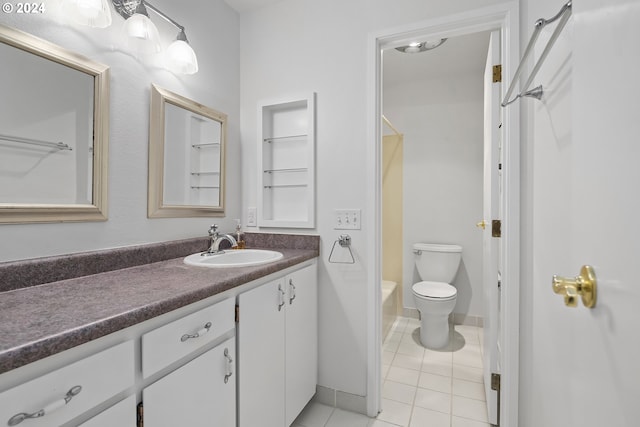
229, 365
281, 296
200, 333
18, 418
292, 291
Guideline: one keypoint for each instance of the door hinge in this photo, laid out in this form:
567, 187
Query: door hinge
140, 415
496, 228
497, 73
237, 313
495, 382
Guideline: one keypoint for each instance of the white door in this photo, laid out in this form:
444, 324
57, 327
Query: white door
195, 394
491, 211
301, 360
261, 375
584, 365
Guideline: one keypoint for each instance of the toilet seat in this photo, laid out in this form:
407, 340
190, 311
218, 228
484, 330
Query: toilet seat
434, 290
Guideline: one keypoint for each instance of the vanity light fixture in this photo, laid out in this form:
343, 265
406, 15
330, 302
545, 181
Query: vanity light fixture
142, 33
180, 56
94, 13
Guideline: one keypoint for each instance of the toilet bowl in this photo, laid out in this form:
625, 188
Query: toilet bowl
434, 296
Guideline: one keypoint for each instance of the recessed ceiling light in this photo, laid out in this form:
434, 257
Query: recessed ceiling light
415, 47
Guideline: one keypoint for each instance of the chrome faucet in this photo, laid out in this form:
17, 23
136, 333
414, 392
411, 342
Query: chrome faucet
216, 239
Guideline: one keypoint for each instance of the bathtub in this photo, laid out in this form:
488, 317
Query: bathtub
389, 305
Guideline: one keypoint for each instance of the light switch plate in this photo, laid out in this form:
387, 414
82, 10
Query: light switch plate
252, 217
346, 219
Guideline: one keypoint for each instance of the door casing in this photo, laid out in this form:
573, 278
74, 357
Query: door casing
504, 17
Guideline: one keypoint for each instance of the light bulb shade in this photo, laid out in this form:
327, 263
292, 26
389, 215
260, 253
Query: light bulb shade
181, 58
94, 13
142, 34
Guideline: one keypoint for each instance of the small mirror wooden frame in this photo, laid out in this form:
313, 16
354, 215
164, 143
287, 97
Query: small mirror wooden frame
159, 164
48, 212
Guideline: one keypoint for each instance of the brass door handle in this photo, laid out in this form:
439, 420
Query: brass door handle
482, 224
584, 285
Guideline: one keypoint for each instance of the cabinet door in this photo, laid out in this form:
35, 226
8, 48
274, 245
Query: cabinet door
301, 340
195, 394
261, 356
122, 414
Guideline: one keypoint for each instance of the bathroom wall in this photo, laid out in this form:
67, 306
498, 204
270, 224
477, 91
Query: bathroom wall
392, 212
296, 46
442, 120
213, 30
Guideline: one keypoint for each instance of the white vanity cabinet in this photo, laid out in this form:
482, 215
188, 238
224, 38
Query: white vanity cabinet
179, 368
202, 391
277, 349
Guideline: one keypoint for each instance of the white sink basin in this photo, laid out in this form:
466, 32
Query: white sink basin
234, 258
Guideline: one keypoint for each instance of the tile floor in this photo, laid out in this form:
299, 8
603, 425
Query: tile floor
421, 387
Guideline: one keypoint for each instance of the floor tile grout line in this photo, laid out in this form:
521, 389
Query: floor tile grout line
451, 377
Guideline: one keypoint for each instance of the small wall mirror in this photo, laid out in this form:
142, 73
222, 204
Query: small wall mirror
54, 124
186, 157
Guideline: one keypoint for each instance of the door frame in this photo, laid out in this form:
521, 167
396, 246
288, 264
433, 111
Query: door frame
505, 17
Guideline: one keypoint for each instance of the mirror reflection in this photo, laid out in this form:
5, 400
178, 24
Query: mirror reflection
186, 167
51, 166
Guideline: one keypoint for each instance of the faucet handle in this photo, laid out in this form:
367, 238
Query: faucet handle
213, 230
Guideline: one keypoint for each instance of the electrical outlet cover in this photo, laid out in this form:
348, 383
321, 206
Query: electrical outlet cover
252, 217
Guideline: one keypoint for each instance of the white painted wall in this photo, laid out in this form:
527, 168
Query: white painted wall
442, 123
213, 31
305, 45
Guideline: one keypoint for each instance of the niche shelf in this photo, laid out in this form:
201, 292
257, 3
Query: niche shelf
286, 162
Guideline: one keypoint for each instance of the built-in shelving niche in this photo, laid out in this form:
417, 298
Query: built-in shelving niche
286, 157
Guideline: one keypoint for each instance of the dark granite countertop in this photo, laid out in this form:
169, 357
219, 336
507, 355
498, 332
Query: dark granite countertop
45, 319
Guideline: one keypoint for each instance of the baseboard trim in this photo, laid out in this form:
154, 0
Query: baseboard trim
465, 319
341, 399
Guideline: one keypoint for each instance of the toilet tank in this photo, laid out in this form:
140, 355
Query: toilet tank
437, 262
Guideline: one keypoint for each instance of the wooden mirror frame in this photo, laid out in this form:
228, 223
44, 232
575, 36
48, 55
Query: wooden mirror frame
156, 208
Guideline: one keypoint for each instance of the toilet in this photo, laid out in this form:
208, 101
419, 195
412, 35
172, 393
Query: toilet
434, 296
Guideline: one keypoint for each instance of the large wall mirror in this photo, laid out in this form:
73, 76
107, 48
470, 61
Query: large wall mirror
54, 131
186, 157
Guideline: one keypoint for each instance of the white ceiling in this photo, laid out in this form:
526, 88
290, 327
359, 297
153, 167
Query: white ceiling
460, 55
244, 5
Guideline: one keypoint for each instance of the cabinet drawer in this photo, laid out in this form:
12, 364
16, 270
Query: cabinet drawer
100, 376
169, 343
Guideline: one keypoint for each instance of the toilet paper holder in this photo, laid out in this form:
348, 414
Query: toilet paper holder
344, 241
